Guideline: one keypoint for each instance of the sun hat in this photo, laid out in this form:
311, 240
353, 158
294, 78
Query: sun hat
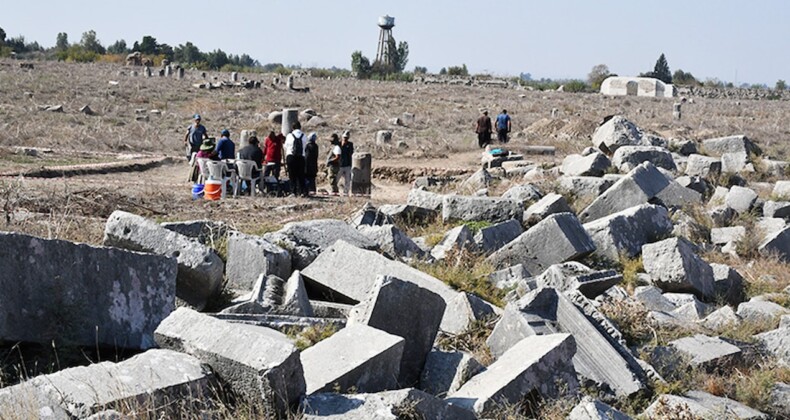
207, 145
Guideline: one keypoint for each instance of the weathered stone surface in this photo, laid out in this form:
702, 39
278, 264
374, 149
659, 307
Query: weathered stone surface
637, 187
778, 209
406, 214
730, 144
583, 186
421, 198
577, 276
260, 364
535, 363
465, 208
388, 405
777, 342
721, 318
624, 233
780, 398
652, 298
491, 238
476, 181
756, 310
615, 133
545, 311
200, 270
674, 267
777, 243
725, 235
626, 158
691, 311
594, 164
557, 238
695, 183
701, 405
703, 166
523, 193
305, 240
392, 241
61, 292
507, 277
706, 352
457, 238
736, 162
467, 308
369, 215
446, 371
728, 283
295, 300
740, 199
207, 232
677, 196
357, 357
250, 256
589, 409
550, 204
150, 379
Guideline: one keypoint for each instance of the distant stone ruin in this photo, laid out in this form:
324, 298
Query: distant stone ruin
637, 86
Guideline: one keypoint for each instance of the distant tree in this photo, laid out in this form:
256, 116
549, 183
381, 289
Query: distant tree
525, 77
401, 56
216, 59
188, 53
458, 71
597, 75
165, 50
679, 77
119, 47
148, 45
420, 70
443, 71
2, 36
660, 70
17, 44
360, 65
780, 85
135, 46
91, 43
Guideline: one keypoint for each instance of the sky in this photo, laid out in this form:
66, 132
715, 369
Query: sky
735, 41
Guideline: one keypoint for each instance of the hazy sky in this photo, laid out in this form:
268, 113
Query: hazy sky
738, 41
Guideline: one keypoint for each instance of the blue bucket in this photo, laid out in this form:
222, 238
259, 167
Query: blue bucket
197, 191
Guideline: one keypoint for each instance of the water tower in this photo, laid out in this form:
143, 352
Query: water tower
385, 53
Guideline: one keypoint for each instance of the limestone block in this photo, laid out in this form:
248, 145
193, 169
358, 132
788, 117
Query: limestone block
740, 199
523, 193
457, 238
392, 241
594, 164
674, 267
703, 166
550, 204
624, 232
731, 144
446, 371
387, 405
305, 240
466, 208
701, 405
637, 187
425, 199
706, 352
626, 158
250, 256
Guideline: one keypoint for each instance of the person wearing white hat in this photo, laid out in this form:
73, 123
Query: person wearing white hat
346, 155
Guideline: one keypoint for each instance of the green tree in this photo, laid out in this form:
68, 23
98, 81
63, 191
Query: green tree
188, 53
682, 78
91, 43
401, 56
780, 85
458, 71
420, 70
597, 75
119, 47
2, 36
216, 59
443, 71
660, 70
148, 46
360, 65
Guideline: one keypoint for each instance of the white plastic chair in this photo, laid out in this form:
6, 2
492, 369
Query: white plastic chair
245, 169
219, 170
201, 168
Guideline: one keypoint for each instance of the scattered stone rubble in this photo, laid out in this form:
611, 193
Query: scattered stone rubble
554, 250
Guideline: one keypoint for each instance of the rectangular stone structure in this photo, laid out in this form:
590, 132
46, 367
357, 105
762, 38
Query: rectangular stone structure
250, 256
260, 364
78, 294
357, 357
468, 208
637, 187
626, 231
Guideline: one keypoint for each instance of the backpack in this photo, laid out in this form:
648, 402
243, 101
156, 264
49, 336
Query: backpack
297, 148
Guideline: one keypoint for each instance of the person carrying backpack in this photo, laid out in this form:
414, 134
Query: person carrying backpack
294, 159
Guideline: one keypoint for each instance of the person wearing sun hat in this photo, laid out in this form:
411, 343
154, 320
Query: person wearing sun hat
194, 136
207, 150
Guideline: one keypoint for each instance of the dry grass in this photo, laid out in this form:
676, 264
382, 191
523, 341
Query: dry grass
466, 272
471, 340
309, 336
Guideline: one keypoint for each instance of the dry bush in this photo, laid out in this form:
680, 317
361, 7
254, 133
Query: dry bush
466, 272
631, 318
471, 340
309, 336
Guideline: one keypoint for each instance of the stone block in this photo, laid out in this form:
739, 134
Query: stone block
780, 398
250, 256
261, 365
491, 238
740, 199
589, 409
777, 343
572, 275
546, 311
728, 283
200, 270
756, 310
357, 357
295, 300
558, 238
456, 239
707, 352
446, 371
616, 132
537, 363
676, 196
406, 214
674, 267
703, 166
624, 232
736, 162
731, 144
471, 209
368, 215
700, 404
392, 241
626, 158
594, 164
467, 308
652, 298
550, 204
778, 244
305, 240
524, 193
778, 209
725, 235
59, 292
387, 405
639, 186
151, 379
476, 181
721, 318
425, 199
384, 309
508, 277
583, 186
207, 232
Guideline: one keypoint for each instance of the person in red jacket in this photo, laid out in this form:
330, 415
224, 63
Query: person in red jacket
273, 154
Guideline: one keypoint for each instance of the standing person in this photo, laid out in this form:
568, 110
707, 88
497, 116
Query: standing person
226, 149
294, 159
346, 154
502, 126
310, 163
194, 136
273, 154
483, 130
333, 162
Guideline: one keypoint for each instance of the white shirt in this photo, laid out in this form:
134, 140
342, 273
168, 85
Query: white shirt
336, 150
289, 142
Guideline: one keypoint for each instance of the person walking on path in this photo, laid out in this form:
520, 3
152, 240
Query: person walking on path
311, 163
333, 162
483, 130
503, 126
194, 136
346, 157
294, 159
273, 154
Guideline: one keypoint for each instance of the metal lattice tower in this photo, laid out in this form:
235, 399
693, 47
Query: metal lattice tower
384, 53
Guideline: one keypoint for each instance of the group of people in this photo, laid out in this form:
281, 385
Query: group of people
483, 128
297, 152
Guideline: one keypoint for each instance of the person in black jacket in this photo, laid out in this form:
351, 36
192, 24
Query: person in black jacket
310, 163
254, 153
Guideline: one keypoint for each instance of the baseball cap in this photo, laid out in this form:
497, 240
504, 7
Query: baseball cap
197, 116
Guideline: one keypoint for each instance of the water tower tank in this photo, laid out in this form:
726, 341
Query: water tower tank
387, 22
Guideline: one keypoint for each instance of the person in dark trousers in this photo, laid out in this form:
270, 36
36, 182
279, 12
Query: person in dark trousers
502, 126
483, 130
194, 136
273, 151
333, 162
254, 153
294, 159
346, 160
311, 163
